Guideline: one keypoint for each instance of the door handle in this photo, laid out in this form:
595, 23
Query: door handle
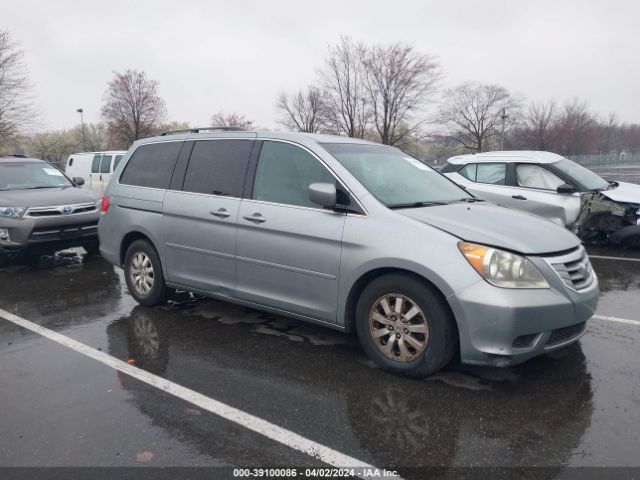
519, 197
100, 177
256, 217
221, 213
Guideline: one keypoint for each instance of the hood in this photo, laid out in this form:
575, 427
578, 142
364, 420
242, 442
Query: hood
496, 226
47, 197
624, 193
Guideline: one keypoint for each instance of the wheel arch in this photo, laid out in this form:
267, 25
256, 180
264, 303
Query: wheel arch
365, 279
128, 239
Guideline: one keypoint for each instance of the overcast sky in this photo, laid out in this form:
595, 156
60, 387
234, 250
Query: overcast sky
238, 55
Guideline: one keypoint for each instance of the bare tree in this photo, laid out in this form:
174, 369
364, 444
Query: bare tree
630, 138
304, 111
539, 125
399, 81
473, 114
576, 129
222, 119
132, 107
15, 90
609, 134
344, 85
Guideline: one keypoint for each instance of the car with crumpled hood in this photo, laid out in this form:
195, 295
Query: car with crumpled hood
42, 210
555, 188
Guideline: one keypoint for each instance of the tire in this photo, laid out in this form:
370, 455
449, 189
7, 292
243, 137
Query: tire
425, 334
143, 274
92, 248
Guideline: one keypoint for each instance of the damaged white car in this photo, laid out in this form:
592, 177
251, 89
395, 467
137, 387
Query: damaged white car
553, 187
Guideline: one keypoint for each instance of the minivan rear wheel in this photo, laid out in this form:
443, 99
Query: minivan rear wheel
143, 274
404, 326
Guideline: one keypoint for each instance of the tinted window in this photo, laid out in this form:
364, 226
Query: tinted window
284, 174
218, 167
494, 173
116, 161
151, 165
95, 166
469, 171
105, 164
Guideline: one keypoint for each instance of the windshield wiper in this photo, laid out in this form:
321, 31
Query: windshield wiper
394, 206
468, 200
43, 186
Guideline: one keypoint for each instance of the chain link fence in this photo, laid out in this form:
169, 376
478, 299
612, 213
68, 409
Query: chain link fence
606, 160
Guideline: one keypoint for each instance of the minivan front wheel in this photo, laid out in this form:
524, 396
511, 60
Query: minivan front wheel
143, 274
403, 325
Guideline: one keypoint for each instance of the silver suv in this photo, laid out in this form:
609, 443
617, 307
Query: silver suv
42, 210
349, 234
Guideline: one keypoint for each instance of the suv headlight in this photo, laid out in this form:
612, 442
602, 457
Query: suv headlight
502, 269
12, 212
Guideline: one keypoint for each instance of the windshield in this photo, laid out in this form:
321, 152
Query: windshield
30, 175
395, 178
583, 177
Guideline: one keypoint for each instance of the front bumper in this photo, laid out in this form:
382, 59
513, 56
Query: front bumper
500, 327
35, 235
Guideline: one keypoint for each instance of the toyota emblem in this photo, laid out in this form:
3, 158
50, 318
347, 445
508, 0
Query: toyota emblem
66, 210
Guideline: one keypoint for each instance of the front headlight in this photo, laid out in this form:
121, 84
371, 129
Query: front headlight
12, 212
502, 269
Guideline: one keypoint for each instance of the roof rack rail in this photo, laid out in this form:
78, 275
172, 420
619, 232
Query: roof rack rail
201, 129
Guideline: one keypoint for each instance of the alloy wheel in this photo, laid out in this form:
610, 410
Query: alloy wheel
398, 327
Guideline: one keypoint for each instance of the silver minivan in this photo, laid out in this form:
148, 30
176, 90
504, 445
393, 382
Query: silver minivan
350, 234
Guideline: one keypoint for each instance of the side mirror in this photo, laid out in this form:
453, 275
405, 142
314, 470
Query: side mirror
324, 194
79, 181
566, 188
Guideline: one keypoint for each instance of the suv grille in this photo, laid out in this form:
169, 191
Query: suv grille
67, 232
574, 269
564, 334
37, 212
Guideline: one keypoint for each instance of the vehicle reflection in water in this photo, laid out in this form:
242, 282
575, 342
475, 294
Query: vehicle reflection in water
59, 283
462, 416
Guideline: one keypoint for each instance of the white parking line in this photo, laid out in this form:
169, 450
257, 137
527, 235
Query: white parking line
617, 319
251, 422
624, 259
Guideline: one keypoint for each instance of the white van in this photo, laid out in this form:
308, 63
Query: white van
95, 167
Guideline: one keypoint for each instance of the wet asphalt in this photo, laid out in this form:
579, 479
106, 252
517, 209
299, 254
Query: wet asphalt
579, 406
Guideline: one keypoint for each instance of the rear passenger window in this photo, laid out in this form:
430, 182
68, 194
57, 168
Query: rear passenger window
284, 174
218, 167
116, 161
95, 166
151, 165
105, 164
494, 173
469, 171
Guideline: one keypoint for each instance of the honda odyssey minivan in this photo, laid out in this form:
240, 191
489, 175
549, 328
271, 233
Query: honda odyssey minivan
350, 234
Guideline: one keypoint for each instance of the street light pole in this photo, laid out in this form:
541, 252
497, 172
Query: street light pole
84, 139
504, 117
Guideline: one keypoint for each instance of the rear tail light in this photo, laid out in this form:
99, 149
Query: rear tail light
106, 203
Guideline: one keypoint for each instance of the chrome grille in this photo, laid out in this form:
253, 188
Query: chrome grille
61, 210
574, 269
